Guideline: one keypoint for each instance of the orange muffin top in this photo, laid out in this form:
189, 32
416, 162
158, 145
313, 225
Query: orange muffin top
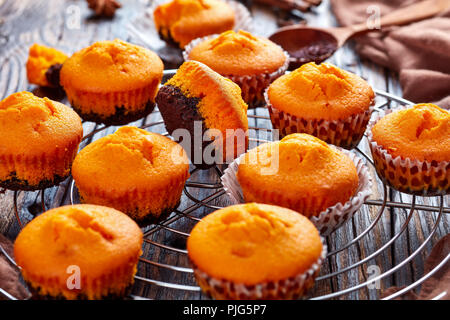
32, 125
239, 53
131, 158
107, 66
185, 20
321, 92
420, 133
41, 58
254, 243
299, 164
94, 238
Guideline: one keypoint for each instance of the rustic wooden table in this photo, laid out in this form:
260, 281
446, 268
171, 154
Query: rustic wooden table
69, 26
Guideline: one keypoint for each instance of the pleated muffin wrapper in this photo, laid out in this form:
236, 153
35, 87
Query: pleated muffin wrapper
286, 289
252, 86
422, 178
328, 220
344, 133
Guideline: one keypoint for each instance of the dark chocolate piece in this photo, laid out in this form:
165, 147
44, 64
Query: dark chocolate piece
315, 52
120, 117
179, 111
52, 75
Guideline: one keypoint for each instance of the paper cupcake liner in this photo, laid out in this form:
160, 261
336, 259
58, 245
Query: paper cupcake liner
41, 168
252, 86
139, 205
344, 133
289, 288
113, 284
105, 104
422, 178
328, 220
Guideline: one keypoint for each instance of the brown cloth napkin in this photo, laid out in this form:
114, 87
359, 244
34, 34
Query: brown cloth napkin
438, 282
420, 51
9, 276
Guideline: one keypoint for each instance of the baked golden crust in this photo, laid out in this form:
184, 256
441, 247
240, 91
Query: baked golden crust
420, 133
321, 92
40, 138
254, 243
239, 53
101, 243
299, 172
137, 172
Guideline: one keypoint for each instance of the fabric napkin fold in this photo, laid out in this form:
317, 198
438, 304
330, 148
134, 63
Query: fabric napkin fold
438, 282
419, 52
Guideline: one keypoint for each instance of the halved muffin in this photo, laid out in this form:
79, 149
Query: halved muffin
206, 112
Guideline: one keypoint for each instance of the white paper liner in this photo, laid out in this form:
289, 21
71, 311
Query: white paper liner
290, 288
328, 220
242, 21
345, 133
252, 86
423, 178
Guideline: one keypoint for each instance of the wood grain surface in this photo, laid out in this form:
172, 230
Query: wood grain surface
70, 26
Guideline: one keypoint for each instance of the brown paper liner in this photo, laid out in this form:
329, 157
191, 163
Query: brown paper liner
40, 171
105, 104
285, 289
140, 205
113, 284
422, 178
344, 133
326, 221
252, 86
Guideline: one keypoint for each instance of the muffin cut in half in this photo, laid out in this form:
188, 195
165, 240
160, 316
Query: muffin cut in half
411, 149
322, 100
137, 172
39, 140
112, 82
79, 252
206, 112
255, 251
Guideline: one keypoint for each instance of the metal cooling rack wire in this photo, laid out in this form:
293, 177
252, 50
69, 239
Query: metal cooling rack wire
218, 192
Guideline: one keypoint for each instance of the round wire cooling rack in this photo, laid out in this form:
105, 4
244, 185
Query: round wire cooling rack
164, 271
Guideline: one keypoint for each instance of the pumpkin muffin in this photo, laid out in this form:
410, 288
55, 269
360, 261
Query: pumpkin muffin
255, 251
300, 172
79, 252
251, 62
322, 100
411, 149
43, 65
137, 172
210, 109
180, 21
40, 139
112, 82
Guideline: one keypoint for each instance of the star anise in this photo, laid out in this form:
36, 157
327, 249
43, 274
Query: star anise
105, 8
